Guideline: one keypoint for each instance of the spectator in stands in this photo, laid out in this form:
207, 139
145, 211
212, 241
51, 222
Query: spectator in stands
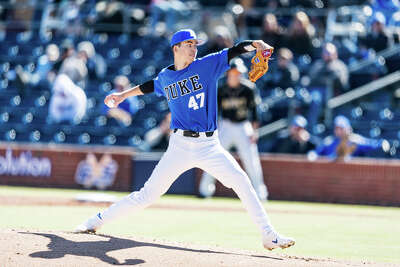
17, 19
43, 76
394, 26
68, 102
346, 144
84, 65
157, 138
328, 76
70, 17
171, 10
285, 74
75, 66
108, 17
67, 50
300, 34
376, 39
96, 64
242, 10
221, 39
272, 33
295, 139
386, 7
123, 113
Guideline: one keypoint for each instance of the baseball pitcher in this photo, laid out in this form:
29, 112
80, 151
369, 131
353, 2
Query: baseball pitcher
190, 86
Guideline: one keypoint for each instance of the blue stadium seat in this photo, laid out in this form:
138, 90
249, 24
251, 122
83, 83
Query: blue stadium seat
393, 63
135, 141
60, 137
84, 138
110, 140
358, 79
10, 135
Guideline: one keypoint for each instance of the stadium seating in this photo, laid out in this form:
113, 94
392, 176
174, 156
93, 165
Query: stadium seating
23, 115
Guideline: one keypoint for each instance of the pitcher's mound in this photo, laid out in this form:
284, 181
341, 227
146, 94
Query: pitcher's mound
38, 248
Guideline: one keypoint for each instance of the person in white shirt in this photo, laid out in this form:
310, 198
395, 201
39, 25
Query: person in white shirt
68, 102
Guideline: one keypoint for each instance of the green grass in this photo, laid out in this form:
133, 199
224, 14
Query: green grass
349, 232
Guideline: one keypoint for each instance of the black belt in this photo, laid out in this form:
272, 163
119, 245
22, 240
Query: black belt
193, 133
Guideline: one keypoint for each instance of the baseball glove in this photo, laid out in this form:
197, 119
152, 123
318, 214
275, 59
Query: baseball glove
259, 64
345, 149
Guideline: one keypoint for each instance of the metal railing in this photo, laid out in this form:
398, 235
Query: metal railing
338, 101
272, 127
358, 93
364, 90
388, 52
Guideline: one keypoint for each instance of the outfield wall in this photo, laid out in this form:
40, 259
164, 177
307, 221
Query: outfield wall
143, 165
361, 181
65, 166
92, 167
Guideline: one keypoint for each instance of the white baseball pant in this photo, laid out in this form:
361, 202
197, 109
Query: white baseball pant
238, 134
184, 153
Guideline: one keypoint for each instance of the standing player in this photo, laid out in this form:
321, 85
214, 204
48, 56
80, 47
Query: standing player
236, 100
190, 86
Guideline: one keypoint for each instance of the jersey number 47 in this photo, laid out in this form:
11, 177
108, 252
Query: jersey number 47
193, 101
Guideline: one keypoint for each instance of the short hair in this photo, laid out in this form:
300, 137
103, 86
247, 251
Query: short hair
285, 53
330, 49
178, 44
87, 47
122, 81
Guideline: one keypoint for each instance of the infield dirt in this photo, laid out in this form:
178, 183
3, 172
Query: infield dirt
38, 248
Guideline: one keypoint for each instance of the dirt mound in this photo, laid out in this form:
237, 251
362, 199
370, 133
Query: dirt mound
38, 248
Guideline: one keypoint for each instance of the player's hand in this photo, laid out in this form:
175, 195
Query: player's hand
113, 100
261, 45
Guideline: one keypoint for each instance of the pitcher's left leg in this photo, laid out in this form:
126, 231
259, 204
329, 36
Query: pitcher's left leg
219, 163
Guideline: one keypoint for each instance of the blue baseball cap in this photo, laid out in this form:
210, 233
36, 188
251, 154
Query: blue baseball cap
184, 35
299, 121
342, 122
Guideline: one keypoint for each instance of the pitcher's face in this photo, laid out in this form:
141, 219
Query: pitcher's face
187, 50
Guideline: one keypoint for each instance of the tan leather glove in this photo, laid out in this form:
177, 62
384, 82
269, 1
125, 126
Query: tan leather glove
259, 64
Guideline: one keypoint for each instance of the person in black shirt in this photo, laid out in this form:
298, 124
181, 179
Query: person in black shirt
237, 105
295, 139
329, 76
284, 74
272, 32
298, 38
377, 39
66, 50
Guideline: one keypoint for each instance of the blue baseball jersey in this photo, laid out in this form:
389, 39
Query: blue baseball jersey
192, 92
363, 145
